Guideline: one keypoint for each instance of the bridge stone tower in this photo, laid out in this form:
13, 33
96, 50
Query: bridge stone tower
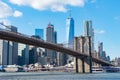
83, 64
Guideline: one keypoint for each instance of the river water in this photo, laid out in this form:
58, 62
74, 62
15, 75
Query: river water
58, 76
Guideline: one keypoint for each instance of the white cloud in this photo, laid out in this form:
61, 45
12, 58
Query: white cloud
17, 14
54, 5
6, 11
5, 21
99, 31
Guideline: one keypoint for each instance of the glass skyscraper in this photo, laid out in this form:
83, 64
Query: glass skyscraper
3, 52
102, 54
88, 28
70, 31
40, 33
89, 31
12, 49
9, 50
51, 36
70, 36
23, 53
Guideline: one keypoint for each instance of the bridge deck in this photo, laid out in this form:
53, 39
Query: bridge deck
18, 37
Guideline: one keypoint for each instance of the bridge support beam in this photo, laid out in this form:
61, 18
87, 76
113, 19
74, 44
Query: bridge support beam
82, 65
79, 65
88, 60
90, 55
83, 45
88, 67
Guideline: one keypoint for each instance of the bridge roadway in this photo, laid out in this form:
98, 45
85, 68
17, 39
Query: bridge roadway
21, 38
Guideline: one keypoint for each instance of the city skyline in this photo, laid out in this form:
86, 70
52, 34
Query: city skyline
104, 15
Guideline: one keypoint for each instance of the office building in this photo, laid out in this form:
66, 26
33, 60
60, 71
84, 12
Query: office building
61, 58
70, 35
100, 50
23, 54
40, 33
108, 58
13, 49
70, 31
20, 48
89, 31
9, 50
33, 55
51, 36
116, 61
34, 52
3, 52
104, 56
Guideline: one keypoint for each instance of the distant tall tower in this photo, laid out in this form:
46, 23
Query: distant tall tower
100, 50
70, 34
50, 33
51, 36
88, 28
89, 31
40, 33
70, 31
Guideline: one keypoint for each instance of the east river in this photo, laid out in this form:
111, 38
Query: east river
57, 76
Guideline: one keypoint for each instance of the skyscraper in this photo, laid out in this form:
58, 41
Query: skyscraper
13, 49
34, 52
70, 31
9, 50
100, 47
3, 52
88, 28
23, 53
33, 57
61, 57
51, 36
89, 31
70, 35
40, 33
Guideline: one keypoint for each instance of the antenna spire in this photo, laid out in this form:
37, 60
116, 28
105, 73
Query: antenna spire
70, 13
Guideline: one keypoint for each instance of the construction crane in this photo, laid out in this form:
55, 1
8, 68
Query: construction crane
8, 27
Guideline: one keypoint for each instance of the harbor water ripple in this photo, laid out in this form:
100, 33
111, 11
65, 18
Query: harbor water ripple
58, 76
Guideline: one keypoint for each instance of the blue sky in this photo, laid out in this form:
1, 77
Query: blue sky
30, 14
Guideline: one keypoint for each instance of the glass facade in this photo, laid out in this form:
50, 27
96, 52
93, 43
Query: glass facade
101, 50
40, 33
23, 54
70, 31
70, 36
9, 50
89, 31
51, 36
88, 28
